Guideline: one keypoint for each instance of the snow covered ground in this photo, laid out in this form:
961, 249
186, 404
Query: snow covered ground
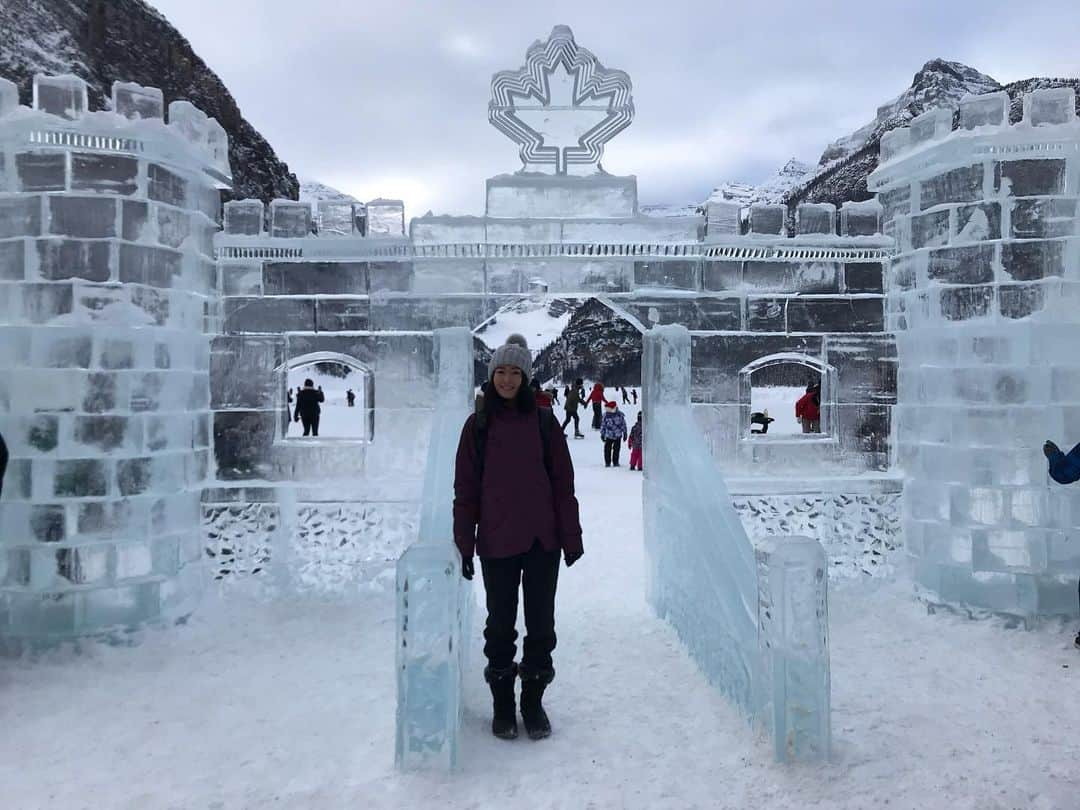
779, 401
337, 419
291, 705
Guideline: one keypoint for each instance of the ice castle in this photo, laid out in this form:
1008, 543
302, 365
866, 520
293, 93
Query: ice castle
145, 352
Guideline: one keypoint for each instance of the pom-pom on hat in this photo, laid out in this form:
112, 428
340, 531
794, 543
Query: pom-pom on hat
515, 352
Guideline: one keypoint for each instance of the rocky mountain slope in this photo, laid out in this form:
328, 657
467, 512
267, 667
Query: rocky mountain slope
771, 191
845, 164
127, 40
597, 344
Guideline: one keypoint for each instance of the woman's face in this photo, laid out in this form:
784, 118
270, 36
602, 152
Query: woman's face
507, 381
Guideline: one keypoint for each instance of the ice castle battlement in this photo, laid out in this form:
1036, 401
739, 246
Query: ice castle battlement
107, 287
982, 128
135, 125
983, 297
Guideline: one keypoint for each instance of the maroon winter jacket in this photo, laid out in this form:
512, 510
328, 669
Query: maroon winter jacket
516, 503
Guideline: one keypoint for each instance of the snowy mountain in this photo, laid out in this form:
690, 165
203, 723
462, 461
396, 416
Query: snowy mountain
938, 84
845, 164
539, 321
107, 40
771, 191
597, 344
312, 191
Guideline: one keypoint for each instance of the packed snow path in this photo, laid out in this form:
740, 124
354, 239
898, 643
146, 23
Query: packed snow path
291, 704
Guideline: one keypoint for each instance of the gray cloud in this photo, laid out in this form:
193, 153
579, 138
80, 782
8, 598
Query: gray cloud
391, 99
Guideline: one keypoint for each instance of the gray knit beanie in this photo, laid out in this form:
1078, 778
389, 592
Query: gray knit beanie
515, 352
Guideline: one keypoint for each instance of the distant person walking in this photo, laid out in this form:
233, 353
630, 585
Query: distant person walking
635, 445
308, 409
613, 432
1065, 469
625, 396
633, 393
573, 400
350, 398
597, 399
553, 392
808, 409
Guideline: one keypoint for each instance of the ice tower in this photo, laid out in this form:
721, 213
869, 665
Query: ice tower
107, 277
984, 297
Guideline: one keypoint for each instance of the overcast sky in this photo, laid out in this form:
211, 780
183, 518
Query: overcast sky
390, 98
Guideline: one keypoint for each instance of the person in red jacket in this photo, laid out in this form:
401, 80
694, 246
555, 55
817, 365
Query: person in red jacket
596, 397
808, 409
542, 397
515, 508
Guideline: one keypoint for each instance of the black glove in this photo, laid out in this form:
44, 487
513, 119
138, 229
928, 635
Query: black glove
1050, 448
467, 569
572, 557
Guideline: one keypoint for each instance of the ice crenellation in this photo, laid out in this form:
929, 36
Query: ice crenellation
60, 110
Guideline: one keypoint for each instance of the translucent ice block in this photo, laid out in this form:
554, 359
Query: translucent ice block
60, 95
244, 217
931, 125
289, 218
988, 109
1050, 105
794, 637
434, 602
894, 142
135, 101
9, 97
335, 218
189, 121
755, 621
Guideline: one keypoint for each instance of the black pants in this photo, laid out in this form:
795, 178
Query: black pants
537, 572
611, 451
311, 424
572, 415
596, 415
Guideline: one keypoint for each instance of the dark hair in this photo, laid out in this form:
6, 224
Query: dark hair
534, 384
309, 381
525, 401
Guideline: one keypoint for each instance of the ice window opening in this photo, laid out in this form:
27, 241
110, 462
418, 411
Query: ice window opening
786, 396
328, 396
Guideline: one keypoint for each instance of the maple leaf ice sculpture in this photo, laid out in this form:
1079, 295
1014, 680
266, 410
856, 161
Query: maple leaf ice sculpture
561, 107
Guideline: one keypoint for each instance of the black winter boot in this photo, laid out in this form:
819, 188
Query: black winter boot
533, 684
501, 681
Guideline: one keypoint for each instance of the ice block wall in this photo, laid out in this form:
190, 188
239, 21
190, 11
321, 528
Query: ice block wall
434, 602
106, 278
984, 296
755, 620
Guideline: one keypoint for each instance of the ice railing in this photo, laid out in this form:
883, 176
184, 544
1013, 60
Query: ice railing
434, 602
1049, 126
135, 124
755, 619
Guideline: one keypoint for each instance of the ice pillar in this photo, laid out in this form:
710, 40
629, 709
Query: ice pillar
754, 620
106, 276
434, 602
984, 296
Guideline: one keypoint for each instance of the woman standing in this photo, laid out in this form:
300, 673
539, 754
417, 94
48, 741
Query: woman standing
514, 506
598, 400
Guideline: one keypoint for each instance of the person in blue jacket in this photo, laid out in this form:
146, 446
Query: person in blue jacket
1065, 469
